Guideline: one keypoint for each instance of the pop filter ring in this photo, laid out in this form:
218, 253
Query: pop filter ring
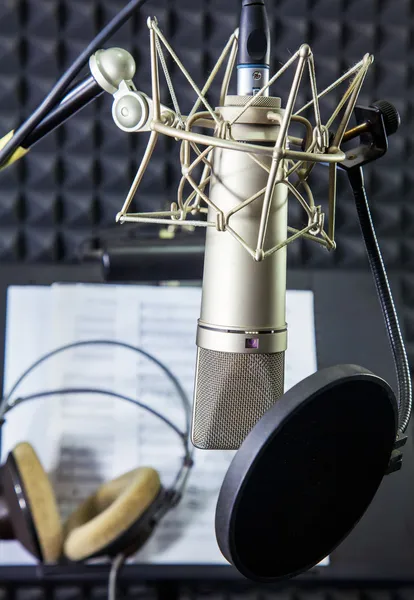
239, 541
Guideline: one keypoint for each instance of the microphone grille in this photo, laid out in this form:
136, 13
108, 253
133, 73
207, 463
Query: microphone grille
232, 393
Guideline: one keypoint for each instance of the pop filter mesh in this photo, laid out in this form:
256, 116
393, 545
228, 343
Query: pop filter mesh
311, 482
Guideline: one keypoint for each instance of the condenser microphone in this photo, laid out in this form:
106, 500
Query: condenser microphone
242, 333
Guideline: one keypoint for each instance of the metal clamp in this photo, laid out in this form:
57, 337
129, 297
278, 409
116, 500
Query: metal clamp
373, 138
396, 459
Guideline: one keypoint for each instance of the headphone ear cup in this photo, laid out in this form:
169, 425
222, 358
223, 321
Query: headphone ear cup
31, 503
113, 516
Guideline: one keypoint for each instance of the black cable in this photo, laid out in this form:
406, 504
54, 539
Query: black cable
59, 89
356, 179
117, 565
85, 92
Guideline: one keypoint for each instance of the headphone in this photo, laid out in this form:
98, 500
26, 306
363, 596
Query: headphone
117, 519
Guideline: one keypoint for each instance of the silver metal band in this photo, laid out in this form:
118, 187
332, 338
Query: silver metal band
241, 342
250, 80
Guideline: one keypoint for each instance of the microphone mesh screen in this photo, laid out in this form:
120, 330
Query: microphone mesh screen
232, 393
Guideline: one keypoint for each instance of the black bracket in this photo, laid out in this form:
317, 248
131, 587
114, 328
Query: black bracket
373, 139
396, 459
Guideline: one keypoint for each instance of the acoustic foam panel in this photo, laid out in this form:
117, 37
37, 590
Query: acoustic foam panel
72, 184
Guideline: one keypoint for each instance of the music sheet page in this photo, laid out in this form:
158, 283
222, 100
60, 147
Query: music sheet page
92, 438
28, 336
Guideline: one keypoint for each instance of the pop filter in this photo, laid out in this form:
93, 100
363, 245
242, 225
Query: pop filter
306, 473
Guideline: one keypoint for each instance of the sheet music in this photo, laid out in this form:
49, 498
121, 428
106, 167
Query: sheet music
28, 336
300, 357
95, 438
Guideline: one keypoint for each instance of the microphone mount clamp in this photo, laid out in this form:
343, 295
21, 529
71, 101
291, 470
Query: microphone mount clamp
289, 166
132, 111
374, 125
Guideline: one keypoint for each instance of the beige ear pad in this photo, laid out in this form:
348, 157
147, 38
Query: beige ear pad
108, 513
43, 505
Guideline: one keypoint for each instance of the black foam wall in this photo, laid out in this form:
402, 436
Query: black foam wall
73, 183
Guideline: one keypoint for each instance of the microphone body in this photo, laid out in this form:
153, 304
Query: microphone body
242, 332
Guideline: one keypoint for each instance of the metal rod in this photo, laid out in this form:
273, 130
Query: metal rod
154, 73
205, 179
199, 138
229, 69
265, 87
335, 157
288, 241
308, 126
312, 77
204, 197
352, 102
333, 175
190, 121
298, 197
335, 84
241, 241
280, 144
207, 123
295, 140
330, 244
178, 223
186, 172
307, 188
303, 58
301, 163
274, 178
345, 98
160, 214
200, 158
214, 72
140, 173
308, 236
342, 102
258, 162
185, 72
355, 132
242, 205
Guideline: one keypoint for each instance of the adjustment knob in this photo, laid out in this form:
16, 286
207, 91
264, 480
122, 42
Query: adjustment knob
112, 66
391, 116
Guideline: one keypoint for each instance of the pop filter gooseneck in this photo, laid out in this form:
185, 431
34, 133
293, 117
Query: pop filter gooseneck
307, 472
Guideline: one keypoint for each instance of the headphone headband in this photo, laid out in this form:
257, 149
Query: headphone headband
176, 491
